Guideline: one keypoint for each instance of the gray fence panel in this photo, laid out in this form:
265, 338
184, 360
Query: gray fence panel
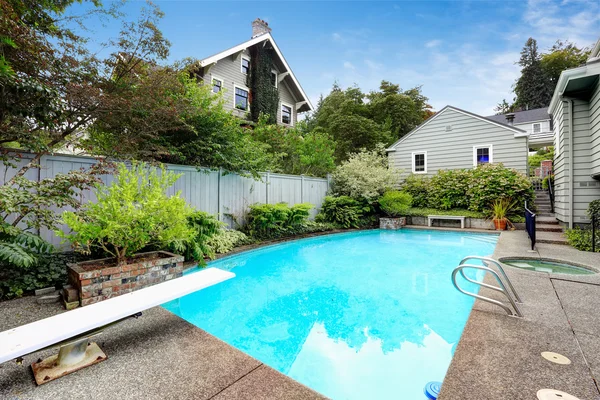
225, 195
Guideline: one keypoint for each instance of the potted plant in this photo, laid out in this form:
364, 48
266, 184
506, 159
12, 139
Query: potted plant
394, 204
131, 214
499, 212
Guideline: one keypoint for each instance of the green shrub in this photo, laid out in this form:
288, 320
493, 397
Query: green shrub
581, 239
204, 226
395, 203
133, 213
226, 240
418, 188
594, 209
549, 178
343, 211
49, 270
268, 221
366, 176
474, 189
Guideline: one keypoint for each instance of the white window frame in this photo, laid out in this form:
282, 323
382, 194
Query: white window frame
281, 114
242, 58
276, 77
487, 146
414, 153
218, 78
245, 88
533, 127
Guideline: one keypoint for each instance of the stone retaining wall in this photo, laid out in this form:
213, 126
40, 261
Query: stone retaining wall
472, 223
101, 284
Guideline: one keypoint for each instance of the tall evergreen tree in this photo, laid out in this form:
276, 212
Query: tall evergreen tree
533, 88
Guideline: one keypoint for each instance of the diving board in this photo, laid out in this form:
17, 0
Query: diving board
77, 326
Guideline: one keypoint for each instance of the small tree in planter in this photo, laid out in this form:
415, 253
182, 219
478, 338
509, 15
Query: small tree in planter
394, 204
131, 214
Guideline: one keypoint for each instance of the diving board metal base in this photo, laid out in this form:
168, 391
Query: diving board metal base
70, 358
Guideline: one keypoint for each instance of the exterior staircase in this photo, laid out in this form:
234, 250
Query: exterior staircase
547, 228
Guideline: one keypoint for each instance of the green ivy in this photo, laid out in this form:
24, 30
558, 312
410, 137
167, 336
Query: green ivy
264, 96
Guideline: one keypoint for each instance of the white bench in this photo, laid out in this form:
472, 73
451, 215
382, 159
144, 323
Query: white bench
73, 329
430, 219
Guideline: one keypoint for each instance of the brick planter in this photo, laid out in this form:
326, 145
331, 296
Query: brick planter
392, 223
96, 283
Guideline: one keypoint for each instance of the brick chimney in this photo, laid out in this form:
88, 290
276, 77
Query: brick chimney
260, 27
510, 118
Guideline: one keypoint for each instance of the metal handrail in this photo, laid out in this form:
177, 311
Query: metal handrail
551, 192
530, 225
500, 268
501, 289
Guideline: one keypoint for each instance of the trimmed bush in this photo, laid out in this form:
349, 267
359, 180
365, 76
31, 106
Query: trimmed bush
268, 221
226, 240
473, 189
395, 203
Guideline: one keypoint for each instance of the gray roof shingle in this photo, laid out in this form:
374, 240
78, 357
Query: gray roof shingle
522, 117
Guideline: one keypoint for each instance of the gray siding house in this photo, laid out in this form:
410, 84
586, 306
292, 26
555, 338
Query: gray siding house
536, 122
228, 70
575, 108
457, 139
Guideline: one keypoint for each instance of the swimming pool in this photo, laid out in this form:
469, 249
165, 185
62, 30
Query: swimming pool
371, 314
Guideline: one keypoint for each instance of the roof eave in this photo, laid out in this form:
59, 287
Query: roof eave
566, 76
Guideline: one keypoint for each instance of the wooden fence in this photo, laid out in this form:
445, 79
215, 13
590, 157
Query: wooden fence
225, 195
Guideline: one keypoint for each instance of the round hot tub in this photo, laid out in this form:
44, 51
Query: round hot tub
549, 266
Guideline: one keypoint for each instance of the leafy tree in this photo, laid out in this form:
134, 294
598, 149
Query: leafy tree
356, 120
532, 88
541, 155
503, 107
562, 56
133, 213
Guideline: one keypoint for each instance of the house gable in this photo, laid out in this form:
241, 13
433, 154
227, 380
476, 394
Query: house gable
285, 74
451, 139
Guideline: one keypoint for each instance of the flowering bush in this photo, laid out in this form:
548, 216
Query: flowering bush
366, 176
474, 189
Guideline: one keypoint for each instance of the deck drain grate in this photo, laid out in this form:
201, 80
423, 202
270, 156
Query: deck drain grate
553, 394
556, 358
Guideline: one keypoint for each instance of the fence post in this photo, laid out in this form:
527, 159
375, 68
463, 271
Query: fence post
301, 188
594, 233
328, 182
267, 181
219, 194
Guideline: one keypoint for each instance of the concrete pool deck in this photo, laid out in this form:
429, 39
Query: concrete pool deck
161, 356
499, 357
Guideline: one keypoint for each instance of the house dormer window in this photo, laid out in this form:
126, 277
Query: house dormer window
537, 128
245, 65
241, 99
217, 85
274, 78
286, 114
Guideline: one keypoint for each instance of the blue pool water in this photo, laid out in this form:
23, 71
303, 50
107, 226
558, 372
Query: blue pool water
360, 315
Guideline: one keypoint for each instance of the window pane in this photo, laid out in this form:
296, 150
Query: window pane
245, 66
537, 128
217, 84
483, 155
241, 99
286, 114
273, 79
419, 162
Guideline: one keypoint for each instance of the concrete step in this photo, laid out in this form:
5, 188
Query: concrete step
547, 202
545, 214
548, 228
551, 237
546, 220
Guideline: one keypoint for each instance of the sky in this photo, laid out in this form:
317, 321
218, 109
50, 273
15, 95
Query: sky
462, 53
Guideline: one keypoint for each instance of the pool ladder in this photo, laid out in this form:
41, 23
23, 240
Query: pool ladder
503, 282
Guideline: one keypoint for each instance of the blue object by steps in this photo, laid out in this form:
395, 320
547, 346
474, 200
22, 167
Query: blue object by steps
432, 390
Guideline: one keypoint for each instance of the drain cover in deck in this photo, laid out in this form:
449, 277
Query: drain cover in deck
556, 358
552, 394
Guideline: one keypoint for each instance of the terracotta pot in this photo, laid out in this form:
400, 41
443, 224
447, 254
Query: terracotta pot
500, 224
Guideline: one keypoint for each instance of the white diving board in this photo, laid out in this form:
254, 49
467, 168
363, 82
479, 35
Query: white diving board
26, 339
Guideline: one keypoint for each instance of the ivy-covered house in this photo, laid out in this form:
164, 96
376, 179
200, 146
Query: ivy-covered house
255, 78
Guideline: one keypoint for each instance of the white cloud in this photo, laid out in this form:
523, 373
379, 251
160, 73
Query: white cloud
433, 43
373, 65
349, 65
336, 37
